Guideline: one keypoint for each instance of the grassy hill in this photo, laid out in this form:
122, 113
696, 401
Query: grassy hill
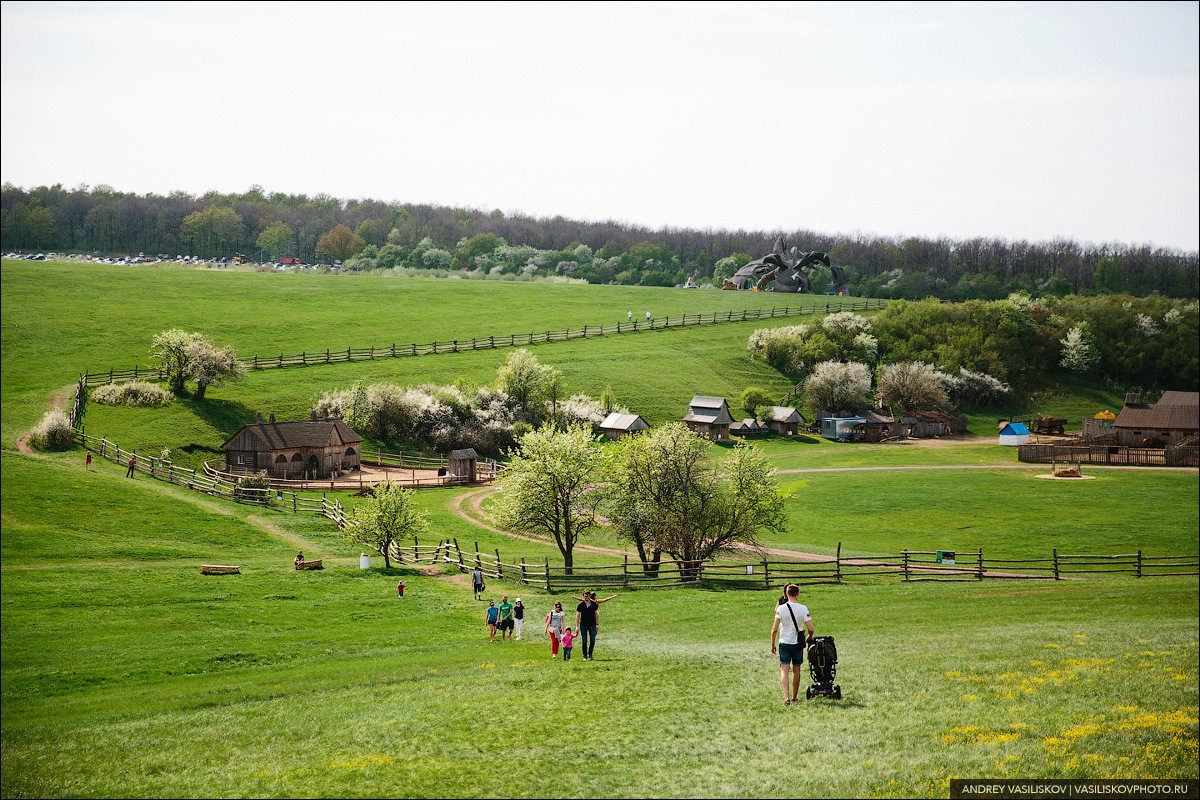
126, 672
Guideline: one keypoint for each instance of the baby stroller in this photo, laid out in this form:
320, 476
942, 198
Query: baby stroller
822, 665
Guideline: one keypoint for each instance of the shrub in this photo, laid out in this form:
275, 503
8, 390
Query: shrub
914, 386
53, 431
834, 386
133, 393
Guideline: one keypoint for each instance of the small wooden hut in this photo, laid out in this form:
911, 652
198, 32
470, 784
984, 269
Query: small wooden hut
462, 465
784, 420
1175, 417
748, 427
709, 417
617, 425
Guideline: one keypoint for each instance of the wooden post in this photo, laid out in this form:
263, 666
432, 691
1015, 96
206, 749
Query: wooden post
1139, 563
625, 573
905, 554
1055, 551
981, 563
460, 558
547, 573
838, 563
766, 574
499, 569
522, 569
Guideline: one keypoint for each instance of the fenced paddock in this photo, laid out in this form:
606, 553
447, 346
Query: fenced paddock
349, 354
1087, 452
406, 470
908, 566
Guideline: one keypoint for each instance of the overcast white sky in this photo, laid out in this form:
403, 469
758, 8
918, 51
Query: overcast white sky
1023, 121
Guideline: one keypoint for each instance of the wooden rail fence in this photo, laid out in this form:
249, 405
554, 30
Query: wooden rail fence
330, 356
910, 565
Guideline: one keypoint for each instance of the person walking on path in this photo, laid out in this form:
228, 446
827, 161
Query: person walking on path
88, 463
630, 315
518, 617
587, 622
554, 625
568, 639
132, 464
477, 582
493, 616
506, 618
789, 616
647, 316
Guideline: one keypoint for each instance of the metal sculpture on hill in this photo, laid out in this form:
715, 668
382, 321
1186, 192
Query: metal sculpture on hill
783, 270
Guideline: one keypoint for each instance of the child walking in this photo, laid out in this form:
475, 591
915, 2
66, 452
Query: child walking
567, 638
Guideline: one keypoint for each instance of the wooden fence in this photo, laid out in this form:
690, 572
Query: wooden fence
910, 566
485, 470
1092, 453
216, 486
394, 350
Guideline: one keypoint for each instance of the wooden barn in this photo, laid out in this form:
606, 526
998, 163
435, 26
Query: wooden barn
784, 421
312, 448
1175, 417
931, 424
709, 417
617, 425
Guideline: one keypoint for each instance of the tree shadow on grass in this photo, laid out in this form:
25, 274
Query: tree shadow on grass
226, 416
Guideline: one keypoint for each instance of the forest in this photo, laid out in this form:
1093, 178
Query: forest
266, 225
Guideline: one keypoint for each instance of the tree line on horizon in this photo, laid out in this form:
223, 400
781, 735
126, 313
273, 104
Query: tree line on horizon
322, 229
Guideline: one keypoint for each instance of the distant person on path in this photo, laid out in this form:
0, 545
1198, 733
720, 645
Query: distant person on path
587, 621
506, 618
518, 617
477, 583
132, 464
647, 316
789, 616
88, 463
567, 638
554, 625
493, 616
630, 315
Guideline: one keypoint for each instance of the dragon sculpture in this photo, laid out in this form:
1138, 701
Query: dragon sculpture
783, 270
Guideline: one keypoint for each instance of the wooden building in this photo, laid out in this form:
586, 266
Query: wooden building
1175, 417
312, 448
617, 425
709, 417
462, 465
784, 421
748, 427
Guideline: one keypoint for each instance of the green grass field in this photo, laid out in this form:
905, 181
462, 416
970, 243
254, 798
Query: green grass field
126, 672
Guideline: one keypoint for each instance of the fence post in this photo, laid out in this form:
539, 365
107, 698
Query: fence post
766, 574
1055, 551
522, 569
625, 573
981, 563
499, 569
1139, 563
547, 558
838, 564
905, 555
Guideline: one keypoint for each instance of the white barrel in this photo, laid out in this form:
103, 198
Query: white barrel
364, 561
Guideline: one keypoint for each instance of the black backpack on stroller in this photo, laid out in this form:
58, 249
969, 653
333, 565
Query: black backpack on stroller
822, 665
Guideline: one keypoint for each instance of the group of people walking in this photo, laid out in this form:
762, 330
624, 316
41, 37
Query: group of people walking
508, 619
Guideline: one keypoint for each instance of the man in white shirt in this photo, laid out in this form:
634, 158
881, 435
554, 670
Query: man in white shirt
789, 617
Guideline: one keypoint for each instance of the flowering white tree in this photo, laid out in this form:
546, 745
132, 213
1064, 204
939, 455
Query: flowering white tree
1078, 355
846, 322
914, 386
209, 365
1147, 325
834, 385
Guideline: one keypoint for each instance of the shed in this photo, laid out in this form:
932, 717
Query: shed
748, 427
617, 425
313, 447
840, 429
462, 464
784, 421
1013, 434
709, 417
928, 424
1175, 417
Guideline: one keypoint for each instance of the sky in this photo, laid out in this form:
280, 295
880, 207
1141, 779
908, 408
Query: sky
1002, 120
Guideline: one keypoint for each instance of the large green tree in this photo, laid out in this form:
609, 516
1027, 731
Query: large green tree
340, 244
276, 239
528, 381
547, 487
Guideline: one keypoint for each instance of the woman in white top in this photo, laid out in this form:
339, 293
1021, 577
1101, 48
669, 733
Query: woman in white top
554, 626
